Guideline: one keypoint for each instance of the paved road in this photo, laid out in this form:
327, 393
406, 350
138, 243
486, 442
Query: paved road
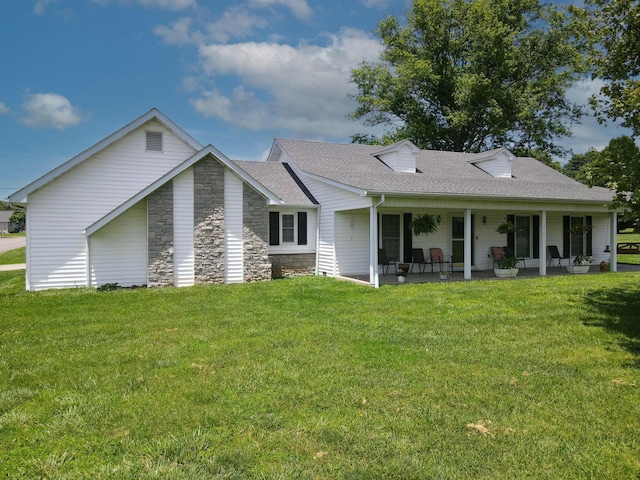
12, 243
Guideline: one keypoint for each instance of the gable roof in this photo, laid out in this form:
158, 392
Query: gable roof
438, 173
153, 114
5, 215
209, 150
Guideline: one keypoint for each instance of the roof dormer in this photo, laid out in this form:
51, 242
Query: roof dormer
496, 163
399, 157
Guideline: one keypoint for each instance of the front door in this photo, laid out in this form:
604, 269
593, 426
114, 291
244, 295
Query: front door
390, 235
457, 242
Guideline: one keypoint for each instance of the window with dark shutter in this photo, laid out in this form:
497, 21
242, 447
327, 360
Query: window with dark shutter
154, 141
302, 228
274, 228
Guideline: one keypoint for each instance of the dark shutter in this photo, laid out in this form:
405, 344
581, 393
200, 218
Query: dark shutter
302, 228
535, 241
408, 238
511, 238
274, 228
473, 239
566, 236
589, 235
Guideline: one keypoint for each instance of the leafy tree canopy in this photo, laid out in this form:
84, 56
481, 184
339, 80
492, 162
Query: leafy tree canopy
618, 167
468, 75
613, 28
576, 167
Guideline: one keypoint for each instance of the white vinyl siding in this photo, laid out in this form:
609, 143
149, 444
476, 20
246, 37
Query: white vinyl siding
183, 258
233, 200
58, 253
312, 224
118, 251
352, 243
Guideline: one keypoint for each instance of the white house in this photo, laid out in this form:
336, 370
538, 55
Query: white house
149, 205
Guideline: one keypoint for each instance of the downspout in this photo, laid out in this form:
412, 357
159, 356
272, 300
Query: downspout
318, 216
373, 242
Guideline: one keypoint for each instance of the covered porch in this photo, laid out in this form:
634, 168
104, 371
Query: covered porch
465, 235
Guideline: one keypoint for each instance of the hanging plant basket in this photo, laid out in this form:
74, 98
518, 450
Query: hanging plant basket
506, 227
423, 224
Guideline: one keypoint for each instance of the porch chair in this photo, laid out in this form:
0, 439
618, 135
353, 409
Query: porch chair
417, 257
385, 261
554, 254
497, 253
437, 257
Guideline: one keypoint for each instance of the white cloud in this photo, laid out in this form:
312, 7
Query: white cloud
164, 4
49, 110
40, 6
301, 88
234, 23
300, 8
589, 133
3, 108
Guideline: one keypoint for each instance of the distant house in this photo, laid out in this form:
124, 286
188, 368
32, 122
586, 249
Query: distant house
6, 226
150, 205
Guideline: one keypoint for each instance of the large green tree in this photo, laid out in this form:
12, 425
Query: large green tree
468, 75
618, 167
613, 27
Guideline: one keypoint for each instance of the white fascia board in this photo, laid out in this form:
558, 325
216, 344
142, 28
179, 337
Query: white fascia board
22, 194
333, 183
208, 150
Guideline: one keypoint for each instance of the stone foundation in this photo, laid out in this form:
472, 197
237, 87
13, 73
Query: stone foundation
286, 265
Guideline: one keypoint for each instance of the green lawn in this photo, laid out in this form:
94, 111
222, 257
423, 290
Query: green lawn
316, 378
13, 256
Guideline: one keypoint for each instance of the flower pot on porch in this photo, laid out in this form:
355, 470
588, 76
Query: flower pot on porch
580, 269
506, 272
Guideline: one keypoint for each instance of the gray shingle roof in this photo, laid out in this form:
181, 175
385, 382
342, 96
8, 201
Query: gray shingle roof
278, 179
439, 173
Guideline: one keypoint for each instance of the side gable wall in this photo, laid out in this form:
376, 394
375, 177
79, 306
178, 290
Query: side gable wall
58, 213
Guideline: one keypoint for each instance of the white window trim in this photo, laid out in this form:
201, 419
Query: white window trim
295, 228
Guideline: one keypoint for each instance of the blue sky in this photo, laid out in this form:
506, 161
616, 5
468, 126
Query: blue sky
235, 74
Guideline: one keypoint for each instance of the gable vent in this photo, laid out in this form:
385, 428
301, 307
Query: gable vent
154, 141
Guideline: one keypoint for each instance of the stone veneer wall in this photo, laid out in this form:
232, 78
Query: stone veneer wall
286, 265
160, 236
255, 235
208, 212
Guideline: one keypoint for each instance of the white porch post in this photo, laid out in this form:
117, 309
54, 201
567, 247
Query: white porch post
543, 244
614, 242
373, 250
467, 244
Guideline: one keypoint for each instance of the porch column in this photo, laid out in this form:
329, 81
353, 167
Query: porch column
542, 267
467, 244
614, 242
373, 251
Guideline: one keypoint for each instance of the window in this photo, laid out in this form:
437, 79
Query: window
154, 141
290, 228
523, 236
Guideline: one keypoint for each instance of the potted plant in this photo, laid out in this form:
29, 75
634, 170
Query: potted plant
580, 264
423, 224
506, 227
403, 270
507, 267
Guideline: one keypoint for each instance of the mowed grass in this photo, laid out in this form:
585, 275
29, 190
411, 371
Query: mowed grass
316, 378
629, 237
13, 256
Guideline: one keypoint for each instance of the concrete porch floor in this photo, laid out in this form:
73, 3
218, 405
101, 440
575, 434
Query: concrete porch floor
392, 279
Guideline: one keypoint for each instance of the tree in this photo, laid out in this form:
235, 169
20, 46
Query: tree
618, 168
575, 168
19, 218
613, 27
468, 76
